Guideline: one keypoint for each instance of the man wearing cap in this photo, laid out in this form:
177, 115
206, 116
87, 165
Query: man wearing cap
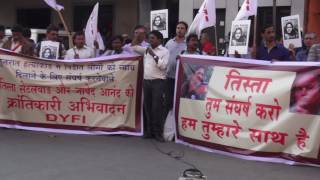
17, 42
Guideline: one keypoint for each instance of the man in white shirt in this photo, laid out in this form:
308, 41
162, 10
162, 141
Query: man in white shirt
79, 51
3, 39
155, 63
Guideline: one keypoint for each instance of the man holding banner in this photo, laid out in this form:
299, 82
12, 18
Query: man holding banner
51, 38
17, 43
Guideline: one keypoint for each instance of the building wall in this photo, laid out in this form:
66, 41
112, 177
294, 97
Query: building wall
125, 12
313, 24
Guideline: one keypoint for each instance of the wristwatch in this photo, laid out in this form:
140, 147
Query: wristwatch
155, 57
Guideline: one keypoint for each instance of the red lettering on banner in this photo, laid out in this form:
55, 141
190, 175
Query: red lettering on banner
86, 104
212, 103
220, 129
34, 89
263, 110
248, 5
238, 106
85, 90
24, 102
265, 136
61, 89
302, 136
188, 122
205, 11
236, 80
73, 118
7, 86
129, 91
110, 92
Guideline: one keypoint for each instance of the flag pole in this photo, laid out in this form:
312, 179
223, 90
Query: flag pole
255, 31
216, 40
66, 28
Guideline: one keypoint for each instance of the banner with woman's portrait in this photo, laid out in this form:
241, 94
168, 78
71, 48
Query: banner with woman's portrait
239, 37
291, 31
250, 109
159, 21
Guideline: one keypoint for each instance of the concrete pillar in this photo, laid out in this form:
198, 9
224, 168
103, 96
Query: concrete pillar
231, 13
298, 7
144, 12
186, 11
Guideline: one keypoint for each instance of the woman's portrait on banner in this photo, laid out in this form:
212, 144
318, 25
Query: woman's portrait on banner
195, 85
305, 93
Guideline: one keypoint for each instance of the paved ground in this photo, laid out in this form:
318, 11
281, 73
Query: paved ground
26, 155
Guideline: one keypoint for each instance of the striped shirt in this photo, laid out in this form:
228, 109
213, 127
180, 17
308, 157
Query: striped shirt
314, 53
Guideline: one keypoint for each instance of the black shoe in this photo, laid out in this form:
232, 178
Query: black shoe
147, 136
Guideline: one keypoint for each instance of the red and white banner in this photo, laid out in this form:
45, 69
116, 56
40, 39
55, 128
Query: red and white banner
250, 109
94, 96
248, 8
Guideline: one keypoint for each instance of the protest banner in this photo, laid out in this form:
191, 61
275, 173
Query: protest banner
250, 109
94, 96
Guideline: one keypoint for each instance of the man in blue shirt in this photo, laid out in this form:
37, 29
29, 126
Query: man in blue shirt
269, 49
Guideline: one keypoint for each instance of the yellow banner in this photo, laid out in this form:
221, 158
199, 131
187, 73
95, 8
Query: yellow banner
101, 96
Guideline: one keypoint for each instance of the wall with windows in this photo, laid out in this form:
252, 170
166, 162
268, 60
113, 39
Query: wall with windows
125, 12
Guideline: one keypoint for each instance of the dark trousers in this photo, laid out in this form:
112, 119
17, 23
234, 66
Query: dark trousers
154, 106
170, 84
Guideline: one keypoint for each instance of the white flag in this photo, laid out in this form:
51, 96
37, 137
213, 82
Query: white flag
100, 41
206, 17
248, 8
54, 5
91, 31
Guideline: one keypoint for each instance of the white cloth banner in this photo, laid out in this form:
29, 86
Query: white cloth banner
91, 31
248, 8
206, 17
54, 5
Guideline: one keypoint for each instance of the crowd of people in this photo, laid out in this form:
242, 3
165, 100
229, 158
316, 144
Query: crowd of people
160, 58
